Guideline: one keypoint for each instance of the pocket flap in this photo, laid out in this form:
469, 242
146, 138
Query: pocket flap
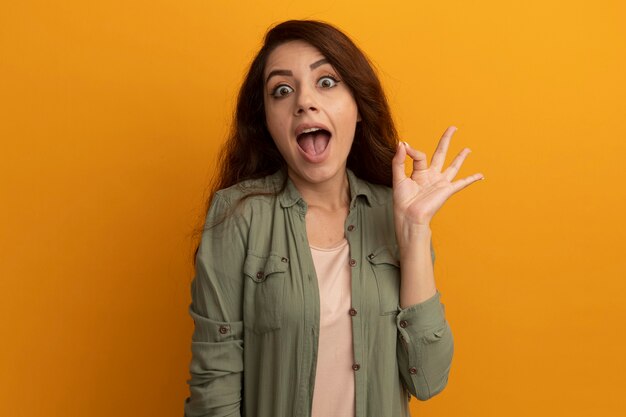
385, 255
260, 267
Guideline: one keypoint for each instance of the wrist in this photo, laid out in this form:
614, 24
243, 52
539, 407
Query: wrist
413, 236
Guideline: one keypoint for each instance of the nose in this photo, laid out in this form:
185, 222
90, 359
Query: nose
305, 101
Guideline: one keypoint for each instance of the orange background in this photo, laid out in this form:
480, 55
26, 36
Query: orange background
111, 114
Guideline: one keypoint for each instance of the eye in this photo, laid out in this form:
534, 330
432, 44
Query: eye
328, 81
282, 90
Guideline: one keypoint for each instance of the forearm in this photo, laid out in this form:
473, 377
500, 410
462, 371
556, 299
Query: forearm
426, 348
417, 275
425, 354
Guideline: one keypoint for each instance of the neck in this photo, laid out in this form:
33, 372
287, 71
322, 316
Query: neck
333, 194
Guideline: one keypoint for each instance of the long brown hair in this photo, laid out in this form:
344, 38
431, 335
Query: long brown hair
250, 152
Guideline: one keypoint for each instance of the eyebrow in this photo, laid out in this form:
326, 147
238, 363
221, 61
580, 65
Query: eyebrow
289, 73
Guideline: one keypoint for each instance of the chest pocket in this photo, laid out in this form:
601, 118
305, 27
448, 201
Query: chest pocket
386, 268
263, 292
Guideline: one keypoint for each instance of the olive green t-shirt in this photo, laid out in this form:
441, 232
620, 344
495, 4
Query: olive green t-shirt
255, 305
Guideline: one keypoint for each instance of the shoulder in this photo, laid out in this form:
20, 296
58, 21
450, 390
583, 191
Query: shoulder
247, 200
257, 189
381, 194
377, 195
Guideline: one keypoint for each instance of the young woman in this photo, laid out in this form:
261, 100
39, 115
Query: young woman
314, 292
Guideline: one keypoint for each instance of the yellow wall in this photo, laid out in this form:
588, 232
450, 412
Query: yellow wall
111, 114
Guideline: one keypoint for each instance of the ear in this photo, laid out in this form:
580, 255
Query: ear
358, 117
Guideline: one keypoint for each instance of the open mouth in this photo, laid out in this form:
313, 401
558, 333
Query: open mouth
313, 141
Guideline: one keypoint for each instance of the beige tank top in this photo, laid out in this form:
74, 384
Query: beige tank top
333, 394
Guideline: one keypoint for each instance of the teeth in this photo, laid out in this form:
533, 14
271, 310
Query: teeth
313, 129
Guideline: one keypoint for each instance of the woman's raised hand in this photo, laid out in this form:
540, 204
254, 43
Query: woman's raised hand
418, 197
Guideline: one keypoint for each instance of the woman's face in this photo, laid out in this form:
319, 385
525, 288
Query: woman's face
310, 113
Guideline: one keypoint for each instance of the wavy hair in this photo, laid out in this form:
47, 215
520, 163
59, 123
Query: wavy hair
250, 152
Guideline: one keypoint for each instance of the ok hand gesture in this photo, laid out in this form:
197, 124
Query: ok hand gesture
417, 198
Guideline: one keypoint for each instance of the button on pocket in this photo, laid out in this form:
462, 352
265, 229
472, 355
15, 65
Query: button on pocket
263, 291
386, 268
